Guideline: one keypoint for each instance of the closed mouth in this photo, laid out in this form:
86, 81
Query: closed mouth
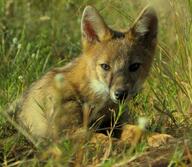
129, 97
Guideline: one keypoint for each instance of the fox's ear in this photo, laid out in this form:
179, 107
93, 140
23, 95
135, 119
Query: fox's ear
93, 27
146, 26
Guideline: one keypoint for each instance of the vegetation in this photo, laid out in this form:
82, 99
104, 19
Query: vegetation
37, 35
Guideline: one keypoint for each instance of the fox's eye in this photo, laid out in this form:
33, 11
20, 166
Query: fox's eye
106, 67
134, 67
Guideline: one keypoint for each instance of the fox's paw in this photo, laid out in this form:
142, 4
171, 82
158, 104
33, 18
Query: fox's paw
99, 138
157, 140
131, 134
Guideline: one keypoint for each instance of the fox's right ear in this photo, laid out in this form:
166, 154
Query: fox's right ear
93, 27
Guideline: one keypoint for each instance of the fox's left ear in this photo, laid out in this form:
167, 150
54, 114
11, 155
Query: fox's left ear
93, 27
145, 27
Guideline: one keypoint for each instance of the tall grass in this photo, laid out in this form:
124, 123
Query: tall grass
37, 35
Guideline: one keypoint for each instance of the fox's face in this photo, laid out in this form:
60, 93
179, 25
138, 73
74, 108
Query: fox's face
118, 62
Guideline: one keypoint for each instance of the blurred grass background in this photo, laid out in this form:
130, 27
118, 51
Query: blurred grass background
37, 35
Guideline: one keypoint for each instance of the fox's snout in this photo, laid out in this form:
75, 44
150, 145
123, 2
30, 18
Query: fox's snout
120, 94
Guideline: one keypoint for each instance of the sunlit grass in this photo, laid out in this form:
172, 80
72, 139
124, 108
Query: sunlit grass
37, 35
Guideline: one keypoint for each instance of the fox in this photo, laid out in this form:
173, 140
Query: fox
110, 70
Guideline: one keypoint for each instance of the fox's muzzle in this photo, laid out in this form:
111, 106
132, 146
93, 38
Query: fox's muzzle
121, 94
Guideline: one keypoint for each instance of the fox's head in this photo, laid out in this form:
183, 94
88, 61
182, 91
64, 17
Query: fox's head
118, 62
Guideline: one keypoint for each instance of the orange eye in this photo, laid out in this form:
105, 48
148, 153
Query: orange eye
134, 67
105, 67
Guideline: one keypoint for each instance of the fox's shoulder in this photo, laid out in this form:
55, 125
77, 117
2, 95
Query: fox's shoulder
52, 84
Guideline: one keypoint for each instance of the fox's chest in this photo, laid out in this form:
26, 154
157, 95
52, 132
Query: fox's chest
100, 110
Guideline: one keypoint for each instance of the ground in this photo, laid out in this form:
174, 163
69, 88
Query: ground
37, 35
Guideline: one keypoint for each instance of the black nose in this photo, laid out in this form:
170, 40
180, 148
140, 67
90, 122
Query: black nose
121, 94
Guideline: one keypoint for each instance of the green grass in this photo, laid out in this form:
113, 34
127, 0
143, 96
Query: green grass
37, 35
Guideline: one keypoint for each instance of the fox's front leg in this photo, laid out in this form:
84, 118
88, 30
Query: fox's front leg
69, 118
67, 123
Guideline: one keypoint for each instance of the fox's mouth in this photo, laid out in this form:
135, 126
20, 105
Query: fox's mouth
116, 101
